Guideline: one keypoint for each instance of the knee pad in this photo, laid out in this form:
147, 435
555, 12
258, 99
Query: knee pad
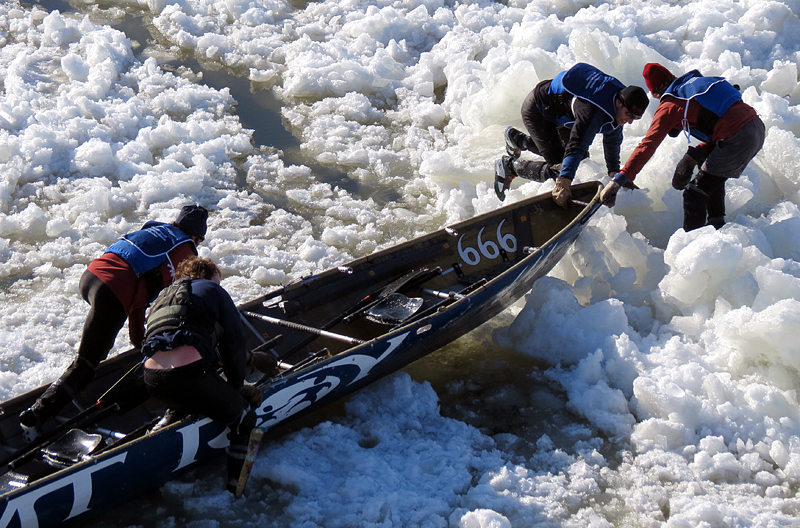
539, 171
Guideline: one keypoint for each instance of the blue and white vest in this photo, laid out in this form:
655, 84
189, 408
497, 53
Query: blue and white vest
147, 248
590, 84
714, 94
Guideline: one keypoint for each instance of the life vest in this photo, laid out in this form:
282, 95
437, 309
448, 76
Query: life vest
147, 248
176, 308
714, 95
586, 82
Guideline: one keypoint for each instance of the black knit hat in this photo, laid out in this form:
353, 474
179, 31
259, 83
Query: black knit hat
635, 99
192, 220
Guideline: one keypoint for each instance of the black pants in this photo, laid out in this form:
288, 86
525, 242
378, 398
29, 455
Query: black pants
704, 198
196, 388
103, 322
549, 138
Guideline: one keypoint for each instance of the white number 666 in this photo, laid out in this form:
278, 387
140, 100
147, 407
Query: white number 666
489, 248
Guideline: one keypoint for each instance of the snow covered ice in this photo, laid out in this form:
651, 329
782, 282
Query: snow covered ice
676, 353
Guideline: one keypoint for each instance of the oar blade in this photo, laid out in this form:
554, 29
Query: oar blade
252, 450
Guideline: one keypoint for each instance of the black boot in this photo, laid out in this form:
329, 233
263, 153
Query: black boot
236, 453
716, 207
30, 423
517, 141
238, 436
503, 174
705, 205
57, 396
695, 207
170, 417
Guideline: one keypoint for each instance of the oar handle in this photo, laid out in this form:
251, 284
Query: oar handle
443, 295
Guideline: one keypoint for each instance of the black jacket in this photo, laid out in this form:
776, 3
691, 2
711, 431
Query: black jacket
218, 307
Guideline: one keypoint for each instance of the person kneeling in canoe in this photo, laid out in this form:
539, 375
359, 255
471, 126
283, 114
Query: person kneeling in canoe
192, 327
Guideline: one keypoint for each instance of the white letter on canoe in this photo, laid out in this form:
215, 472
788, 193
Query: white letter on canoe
81, 483
191, 441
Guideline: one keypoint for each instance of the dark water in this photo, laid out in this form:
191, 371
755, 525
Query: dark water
258, 107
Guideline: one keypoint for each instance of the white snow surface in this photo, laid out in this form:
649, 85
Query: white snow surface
674, 351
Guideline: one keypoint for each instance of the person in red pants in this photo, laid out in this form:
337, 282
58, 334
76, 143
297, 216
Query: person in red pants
118, 286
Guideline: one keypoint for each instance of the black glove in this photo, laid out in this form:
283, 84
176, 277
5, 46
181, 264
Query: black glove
683, 172
685, 168
262, 361
252, 394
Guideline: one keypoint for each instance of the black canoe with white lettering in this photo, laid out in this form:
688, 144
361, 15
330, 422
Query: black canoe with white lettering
331, 333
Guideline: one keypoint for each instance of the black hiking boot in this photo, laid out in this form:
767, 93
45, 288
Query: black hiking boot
170, 417
512, 138
503, 174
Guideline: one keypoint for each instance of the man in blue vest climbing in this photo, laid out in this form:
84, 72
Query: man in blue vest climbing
709, 109
118, 286
562, 116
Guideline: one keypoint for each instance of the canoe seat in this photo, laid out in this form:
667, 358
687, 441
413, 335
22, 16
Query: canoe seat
73, 447
394, 309
391, 306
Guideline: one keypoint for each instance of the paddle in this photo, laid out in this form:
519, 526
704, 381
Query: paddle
394, 309
406, 281
414, 278
252, 450
304, 328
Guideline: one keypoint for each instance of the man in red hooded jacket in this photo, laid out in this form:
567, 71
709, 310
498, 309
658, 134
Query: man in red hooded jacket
711, 110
